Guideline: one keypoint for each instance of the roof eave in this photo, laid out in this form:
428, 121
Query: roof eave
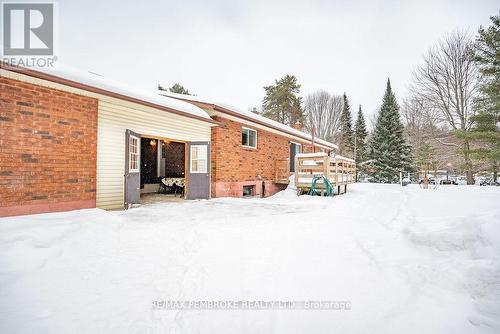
96, 90
232, 113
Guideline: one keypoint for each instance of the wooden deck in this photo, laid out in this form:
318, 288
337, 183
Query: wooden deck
282, 171
340, 171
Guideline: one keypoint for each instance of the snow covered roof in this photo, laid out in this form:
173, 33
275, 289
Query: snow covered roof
250, 115
99, 82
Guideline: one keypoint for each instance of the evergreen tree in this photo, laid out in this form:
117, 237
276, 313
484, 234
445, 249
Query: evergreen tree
346, 140
176, 88
485, 133
360, 134
388, 149
281, 102
487, 56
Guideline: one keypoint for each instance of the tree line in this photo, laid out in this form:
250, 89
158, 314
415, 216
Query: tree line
449, 118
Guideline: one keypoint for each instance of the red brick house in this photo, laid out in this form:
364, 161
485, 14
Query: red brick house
71, 139
251, 154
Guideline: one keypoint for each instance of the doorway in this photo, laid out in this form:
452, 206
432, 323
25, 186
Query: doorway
163, 164
160, 169
149, 161
294, 150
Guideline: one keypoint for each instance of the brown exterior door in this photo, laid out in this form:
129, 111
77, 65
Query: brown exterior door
198, 170
132, 168
294, 150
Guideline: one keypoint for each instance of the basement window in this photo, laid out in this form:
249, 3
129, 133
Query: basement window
248, 191
248, 137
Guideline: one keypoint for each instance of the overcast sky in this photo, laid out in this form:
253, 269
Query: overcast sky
228, 50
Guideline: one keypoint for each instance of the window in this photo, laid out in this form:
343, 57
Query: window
248, 191
198, 159
248, 137
133, 154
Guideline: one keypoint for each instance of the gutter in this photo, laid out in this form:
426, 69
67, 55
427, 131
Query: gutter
232, 113
92, 89
238, 115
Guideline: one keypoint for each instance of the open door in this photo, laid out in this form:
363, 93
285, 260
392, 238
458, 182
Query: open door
132, 168
294, 150
198, 170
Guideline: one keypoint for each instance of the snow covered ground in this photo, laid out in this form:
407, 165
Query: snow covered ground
408, 261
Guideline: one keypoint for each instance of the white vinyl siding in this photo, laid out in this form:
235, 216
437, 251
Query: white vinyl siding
113, 120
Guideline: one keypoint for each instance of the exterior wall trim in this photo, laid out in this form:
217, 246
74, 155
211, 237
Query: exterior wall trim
256, 126
27, 209
240, 117
77, 85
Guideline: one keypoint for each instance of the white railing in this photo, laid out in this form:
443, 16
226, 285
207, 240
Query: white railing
338, 170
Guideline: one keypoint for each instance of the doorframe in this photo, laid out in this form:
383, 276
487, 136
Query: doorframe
289, 147
209, 163
186, 170
186, 155
128, 134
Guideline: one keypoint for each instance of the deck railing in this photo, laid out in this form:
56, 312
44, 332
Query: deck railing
339, 170
282, 171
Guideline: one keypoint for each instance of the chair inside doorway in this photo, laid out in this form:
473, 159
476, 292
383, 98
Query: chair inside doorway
162, 170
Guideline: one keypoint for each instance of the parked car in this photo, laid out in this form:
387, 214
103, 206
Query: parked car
431, 181
406, 181
448, 182
489, 182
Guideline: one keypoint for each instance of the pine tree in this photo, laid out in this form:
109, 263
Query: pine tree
346, 140
281, 102
486, 136
485, 133
176, 88
487, 57
360, 134
388, 149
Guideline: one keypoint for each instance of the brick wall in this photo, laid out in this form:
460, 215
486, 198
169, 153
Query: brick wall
47, 149
234, 166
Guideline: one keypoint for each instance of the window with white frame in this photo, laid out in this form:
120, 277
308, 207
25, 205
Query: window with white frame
248, 137
199, 155
133, 154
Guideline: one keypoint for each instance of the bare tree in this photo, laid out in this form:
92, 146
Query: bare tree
373, 117
323, 113
418, 118
448, 81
